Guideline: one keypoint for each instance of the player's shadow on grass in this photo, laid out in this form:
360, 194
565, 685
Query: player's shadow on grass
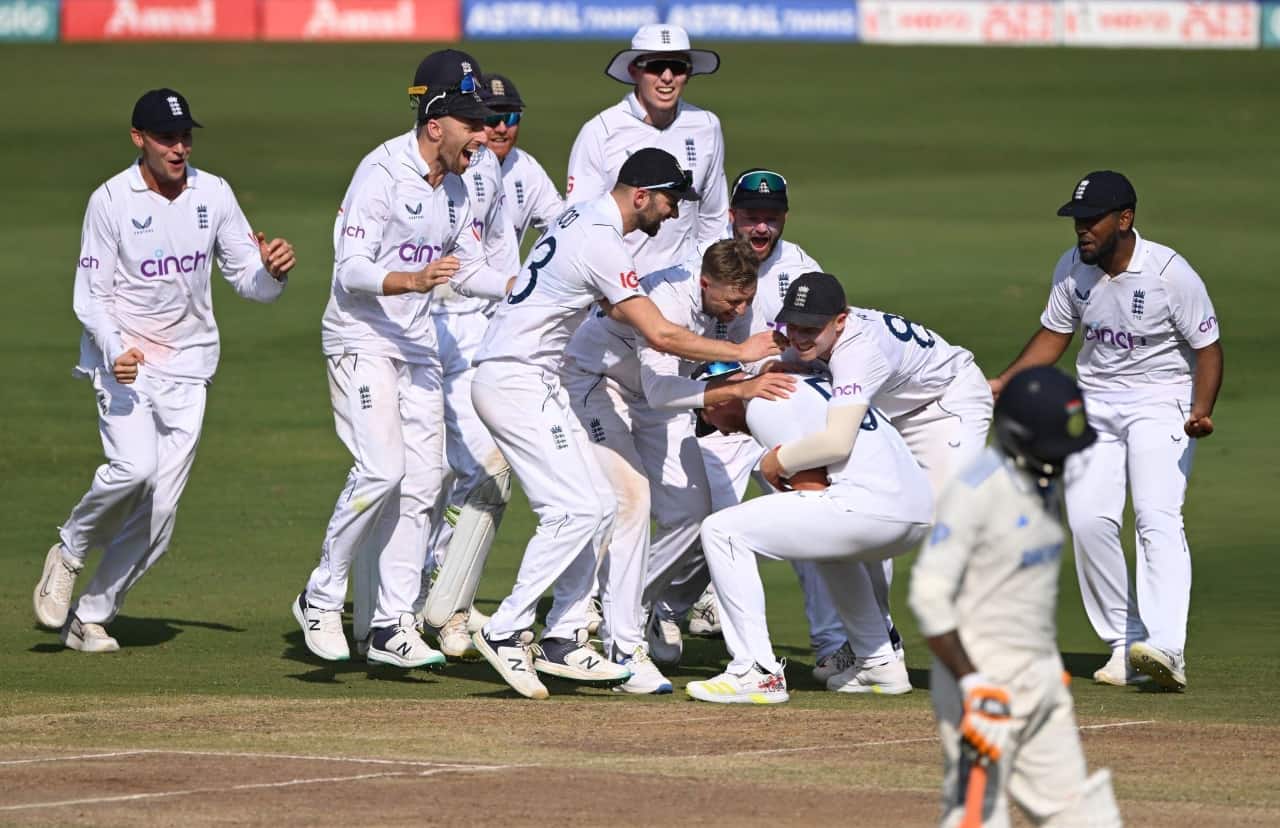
1083, 665
131, 631
330, 672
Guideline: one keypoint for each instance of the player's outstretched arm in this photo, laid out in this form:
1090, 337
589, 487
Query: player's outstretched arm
1044, 348
1208, 381
642, 314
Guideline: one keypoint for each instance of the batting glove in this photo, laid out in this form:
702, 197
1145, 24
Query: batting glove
986, 725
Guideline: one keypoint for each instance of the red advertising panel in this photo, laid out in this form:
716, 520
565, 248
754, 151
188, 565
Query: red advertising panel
159, 19
976, 22
1162, 23
416, 20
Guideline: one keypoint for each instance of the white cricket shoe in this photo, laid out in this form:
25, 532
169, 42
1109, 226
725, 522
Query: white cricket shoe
52, 596
476, 620
454, 640
1118, 672
1168, 670
576, 660
321, 630
595, 617
513, 659
666, 645
839, 661
401, 645
889, 679
756, 686
704, 616
646, 678
87, 638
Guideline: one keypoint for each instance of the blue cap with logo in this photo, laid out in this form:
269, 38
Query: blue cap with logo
163, 110
1099, 192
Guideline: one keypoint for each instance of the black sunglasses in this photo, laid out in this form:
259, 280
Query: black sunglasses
656, 66
511, 119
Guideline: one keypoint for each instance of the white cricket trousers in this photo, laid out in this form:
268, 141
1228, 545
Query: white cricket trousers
527, 411
149, 430
1140, 442
820, 526
1043, 769
471, 454
388, 414
948, 433
652, 461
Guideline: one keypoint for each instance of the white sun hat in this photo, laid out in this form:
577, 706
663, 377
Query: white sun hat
655, 39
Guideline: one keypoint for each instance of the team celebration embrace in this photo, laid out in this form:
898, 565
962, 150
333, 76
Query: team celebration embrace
660, 348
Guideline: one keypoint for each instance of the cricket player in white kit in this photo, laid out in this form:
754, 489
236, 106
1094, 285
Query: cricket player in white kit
532, 200
636, 403
1151, 364
150, 347
758, 206
874, 503
985, 591
658, 64
518, 394
404, 228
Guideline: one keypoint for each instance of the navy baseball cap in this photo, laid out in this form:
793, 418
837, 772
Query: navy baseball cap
1099, 192
163, 110
500, 94
759, 188
655, 169
448, 83
812, 300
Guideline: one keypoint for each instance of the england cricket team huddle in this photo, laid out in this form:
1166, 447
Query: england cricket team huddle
661, 345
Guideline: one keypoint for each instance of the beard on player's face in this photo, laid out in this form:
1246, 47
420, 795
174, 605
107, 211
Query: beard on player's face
459, 140
1097, 236
658, 208
502, 139
760, 228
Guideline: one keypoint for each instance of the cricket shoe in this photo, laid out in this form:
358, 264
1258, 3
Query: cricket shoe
756, 686
476, 620
1168, 670
839, 661
52, 596
454, 640
666, 645
595, 617
1118, 672
321, 630
704, 616
575, 659
87, 638
888, 679
646, 678
513, 659
401, 645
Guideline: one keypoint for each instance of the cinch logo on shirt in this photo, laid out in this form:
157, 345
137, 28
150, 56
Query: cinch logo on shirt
1120, 339
849, 390
353, 231
163, 265
418, 253
89, 263
1205, 326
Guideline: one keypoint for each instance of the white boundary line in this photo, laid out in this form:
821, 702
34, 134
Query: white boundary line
253, 755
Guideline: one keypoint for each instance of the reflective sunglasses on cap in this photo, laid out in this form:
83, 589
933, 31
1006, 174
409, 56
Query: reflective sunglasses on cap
658, 65
684, 183
510, 118
467, 86
762, 182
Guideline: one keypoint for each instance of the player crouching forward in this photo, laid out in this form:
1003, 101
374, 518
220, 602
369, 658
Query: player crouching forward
871, 504
984, 591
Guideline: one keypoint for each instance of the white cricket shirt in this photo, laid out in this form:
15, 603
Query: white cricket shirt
892, 363
532, 199
990, 568
615, 349
606, 141
1141, 327
880, 476
391, 219
580, 260
784, 263
489, 217
142, 279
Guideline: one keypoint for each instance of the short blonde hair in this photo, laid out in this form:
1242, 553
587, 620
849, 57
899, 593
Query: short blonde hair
731, 262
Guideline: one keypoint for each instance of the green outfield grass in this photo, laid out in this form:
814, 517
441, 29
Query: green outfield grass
927, 179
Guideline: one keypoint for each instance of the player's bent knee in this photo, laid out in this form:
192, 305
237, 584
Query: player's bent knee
133, 473
1093, 527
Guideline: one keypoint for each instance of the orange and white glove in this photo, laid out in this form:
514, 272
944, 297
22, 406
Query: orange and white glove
986, 725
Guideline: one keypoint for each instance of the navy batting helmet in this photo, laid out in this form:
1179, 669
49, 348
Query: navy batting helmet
1039, 420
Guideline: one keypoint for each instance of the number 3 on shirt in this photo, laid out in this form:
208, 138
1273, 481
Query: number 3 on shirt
550, 244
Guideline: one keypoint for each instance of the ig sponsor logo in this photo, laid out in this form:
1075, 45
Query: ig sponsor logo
849, 390
1119, 339
163, 265
629, 279
1209, 324
418, 252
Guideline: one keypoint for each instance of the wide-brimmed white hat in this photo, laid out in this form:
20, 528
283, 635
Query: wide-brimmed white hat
656, 38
